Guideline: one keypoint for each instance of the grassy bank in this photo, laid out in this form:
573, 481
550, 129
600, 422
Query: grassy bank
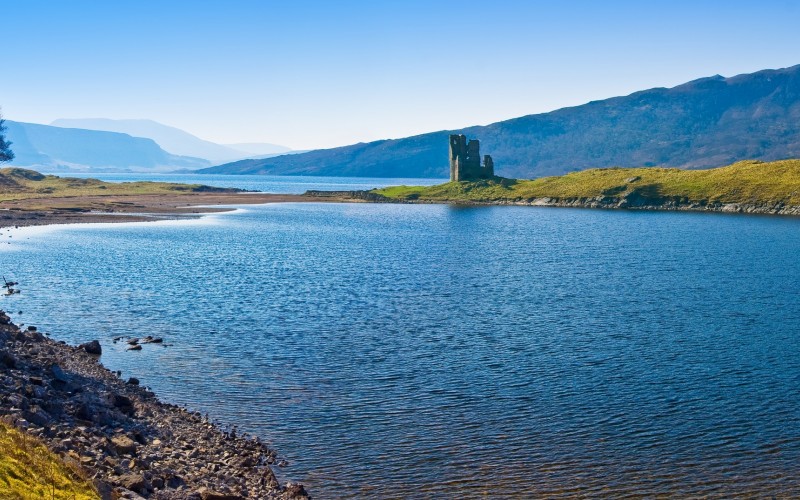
28, 470
747, 182
20, 184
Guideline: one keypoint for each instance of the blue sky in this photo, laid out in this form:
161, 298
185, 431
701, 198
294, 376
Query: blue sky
311, 74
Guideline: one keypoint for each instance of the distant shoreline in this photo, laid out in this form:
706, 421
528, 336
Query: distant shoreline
132, 208
602, 202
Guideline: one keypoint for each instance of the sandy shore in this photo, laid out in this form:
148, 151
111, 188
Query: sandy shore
132, 208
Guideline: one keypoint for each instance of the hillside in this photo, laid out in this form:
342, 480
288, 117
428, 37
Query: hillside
67, 149
19, 184
751, 183
174, 140
704, 123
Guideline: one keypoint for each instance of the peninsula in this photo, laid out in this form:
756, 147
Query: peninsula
747, 187
29, 198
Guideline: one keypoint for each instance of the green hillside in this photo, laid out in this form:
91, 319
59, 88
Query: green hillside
746, 182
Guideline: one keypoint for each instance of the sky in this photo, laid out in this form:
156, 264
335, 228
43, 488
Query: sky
314, 74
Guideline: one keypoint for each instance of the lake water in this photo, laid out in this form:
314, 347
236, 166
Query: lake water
283, 184
425, 350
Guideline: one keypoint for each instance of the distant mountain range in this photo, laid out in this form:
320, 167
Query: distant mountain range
704, 123
68, 149
175, 140
99, 144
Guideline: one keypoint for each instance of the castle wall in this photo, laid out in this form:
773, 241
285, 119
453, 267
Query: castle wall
465, 160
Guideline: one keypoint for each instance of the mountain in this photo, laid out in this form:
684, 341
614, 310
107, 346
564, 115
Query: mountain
69, 149
704, 123
173, 140
258, 148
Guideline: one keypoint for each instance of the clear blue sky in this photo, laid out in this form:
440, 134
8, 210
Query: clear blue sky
310, 74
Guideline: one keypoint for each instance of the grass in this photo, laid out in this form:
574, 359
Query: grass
746, 182
28, 470
20, 184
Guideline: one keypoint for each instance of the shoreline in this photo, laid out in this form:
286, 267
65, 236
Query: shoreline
132, 208
159, 207
602, 204
131, 444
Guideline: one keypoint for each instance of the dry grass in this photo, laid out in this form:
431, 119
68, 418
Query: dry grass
744, 182
28, 471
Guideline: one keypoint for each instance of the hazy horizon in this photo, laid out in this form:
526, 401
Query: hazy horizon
313, 75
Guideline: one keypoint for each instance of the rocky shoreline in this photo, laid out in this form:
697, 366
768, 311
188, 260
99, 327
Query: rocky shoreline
130, 444
601, 202
666, 205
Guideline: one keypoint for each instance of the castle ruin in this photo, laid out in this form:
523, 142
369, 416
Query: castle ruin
465, 160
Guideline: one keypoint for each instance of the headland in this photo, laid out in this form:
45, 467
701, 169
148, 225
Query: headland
743, 187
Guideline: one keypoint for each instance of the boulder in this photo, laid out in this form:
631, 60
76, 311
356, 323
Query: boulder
133, 381
133, 482
124, 445
135, 347
92, 347
206, 494
7, 360
58, 374
295, 490
121, 401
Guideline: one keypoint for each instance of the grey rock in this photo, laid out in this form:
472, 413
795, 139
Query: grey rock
92, 347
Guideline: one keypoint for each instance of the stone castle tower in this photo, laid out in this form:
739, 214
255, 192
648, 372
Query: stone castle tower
465, 160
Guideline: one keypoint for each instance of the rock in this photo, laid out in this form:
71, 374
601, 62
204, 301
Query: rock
124, 445
133, 482
59, 374
31, 328
36, 380
92, 347
133, 381
122, 402
157, 482
206, 494
104, 489
135, 347
295, 490
83, 412
7, 360
37, 416
133, 341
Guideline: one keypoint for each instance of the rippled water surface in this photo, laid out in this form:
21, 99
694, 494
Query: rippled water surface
422, 350
283, 184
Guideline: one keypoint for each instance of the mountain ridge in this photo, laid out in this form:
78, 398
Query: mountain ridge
68, 149
706, 122
172, 139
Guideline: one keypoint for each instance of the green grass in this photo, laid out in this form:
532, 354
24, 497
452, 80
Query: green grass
746, 182
19, 184
28, 470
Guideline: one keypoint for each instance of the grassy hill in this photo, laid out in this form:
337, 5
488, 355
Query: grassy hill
19, 184
746, 182
700, 124
28, 470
